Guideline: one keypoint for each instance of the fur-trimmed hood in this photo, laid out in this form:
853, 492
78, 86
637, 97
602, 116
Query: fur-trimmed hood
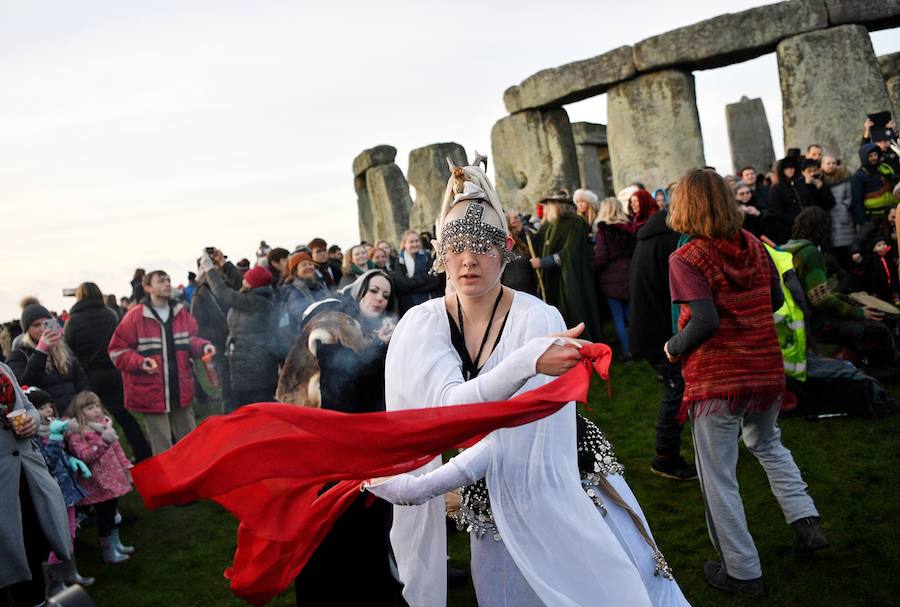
840, 175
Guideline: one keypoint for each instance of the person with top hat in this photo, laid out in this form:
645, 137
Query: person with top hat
565, 263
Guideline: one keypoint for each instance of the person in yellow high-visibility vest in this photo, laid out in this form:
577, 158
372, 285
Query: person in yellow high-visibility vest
789, 321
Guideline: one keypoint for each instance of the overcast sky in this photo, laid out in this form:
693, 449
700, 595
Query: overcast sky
136, 133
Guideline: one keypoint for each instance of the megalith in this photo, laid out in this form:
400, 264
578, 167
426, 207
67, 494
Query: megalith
428, 173
653, 129
749, 136
367, 159
389, 200
830, 80
534, 155
890, 69
730, 38
591, 147
893, 89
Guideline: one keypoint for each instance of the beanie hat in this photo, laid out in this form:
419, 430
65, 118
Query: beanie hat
33, 312
36, 396
258, 277
295, 260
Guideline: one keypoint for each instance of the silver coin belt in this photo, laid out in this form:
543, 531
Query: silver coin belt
595, 457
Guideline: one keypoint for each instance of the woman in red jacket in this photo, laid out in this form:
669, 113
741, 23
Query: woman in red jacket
727, 288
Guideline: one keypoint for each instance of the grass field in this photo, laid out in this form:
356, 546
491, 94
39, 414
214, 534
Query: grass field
851, 466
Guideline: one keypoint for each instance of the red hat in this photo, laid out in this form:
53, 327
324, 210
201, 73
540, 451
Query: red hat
258, 277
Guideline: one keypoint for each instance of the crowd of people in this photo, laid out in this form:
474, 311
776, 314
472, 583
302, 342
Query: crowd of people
735, 289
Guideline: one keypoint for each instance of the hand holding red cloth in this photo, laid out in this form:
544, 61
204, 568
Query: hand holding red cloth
266, 464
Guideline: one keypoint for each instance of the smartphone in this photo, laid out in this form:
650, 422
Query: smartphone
210, 250
68, 292
51, 324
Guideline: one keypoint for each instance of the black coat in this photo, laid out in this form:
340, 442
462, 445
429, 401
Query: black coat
252, 362
650, 304
420, 288
90, 325
29, 365
212, 323
353, 383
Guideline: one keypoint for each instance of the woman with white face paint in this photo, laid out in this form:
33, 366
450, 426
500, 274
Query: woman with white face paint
537, 537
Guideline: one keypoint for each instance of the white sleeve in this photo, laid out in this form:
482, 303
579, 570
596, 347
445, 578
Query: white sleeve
428, 372
464, 469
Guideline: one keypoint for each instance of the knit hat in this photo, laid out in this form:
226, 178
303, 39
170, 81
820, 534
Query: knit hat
36, 396
258, 277
295, 259
32, 313
243, 265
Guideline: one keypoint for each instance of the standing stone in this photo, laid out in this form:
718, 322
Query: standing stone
830, 80
428, 173
590, 144
749, 135
654, 129
388, 193
893, 89
890, 65
363, 209
534, 155
379, 155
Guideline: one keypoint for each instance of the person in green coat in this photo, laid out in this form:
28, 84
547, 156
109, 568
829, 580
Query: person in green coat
565, 263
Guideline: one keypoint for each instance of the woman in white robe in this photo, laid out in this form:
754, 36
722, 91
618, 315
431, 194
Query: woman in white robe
552, 545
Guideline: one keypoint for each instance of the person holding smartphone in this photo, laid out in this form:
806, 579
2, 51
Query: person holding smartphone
42, 359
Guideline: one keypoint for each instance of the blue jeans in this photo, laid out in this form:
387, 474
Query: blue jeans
619, 309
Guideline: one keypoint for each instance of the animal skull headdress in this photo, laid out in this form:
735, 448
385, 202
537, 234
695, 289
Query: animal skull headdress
471, 216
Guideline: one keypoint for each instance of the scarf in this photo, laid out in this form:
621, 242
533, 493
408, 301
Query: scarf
104, 426
409, 261
741, 363
268, 463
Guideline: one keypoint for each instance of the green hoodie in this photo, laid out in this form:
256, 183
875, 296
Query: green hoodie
823, 301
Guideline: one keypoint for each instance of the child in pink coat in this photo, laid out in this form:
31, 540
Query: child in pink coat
95, 442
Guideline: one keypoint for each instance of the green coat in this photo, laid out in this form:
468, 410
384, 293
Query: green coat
569, 284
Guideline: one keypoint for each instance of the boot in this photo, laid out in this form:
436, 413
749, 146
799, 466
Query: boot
110, 554
717, 577
808, 535
71, 575
122, 548
53, 579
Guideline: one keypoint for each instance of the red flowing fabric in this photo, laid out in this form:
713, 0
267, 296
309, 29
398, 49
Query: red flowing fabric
266, 463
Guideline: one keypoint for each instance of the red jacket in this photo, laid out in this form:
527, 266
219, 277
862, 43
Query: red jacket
141, 335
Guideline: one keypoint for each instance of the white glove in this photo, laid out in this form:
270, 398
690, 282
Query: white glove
398, 490
409, 490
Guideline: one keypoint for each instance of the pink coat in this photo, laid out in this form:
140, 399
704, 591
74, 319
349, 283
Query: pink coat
109, 466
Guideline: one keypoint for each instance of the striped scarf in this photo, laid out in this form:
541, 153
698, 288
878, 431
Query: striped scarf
740, 366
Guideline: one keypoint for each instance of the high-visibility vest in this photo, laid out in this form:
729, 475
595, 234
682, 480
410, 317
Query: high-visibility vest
789, 321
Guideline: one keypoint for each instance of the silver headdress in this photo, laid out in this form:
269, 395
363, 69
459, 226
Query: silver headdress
471, 216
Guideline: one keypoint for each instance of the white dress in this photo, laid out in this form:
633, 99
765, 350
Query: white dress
556, 548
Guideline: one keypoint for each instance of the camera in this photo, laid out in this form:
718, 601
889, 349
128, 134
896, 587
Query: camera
210, 250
